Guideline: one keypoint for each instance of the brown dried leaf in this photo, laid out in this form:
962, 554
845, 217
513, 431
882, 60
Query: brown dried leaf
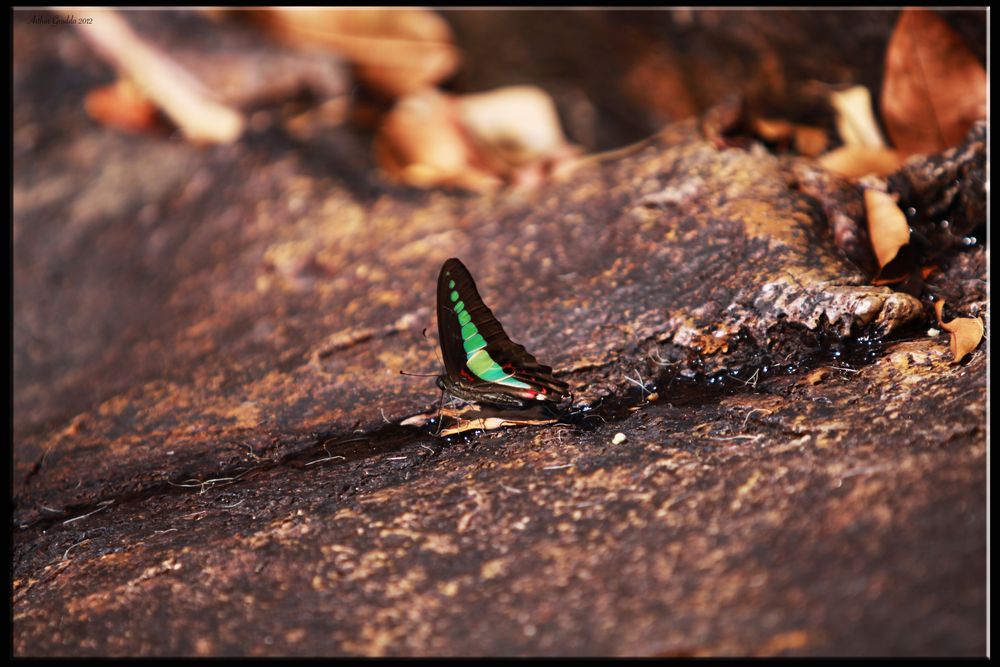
513, 128
858, 161
887, 226
180, 95
810, 141
396, 51
471, 417
491, 424
965, 332
903, 270
774, 130
855, 119
121, 106
934, 89
473, 141
421, 143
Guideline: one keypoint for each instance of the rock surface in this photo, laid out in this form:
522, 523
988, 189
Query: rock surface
207, 457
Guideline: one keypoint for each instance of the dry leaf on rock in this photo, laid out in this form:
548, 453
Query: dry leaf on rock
395, 51
517, 124
965, 332
887, 226
513, 128
421, 143
810, 141
168, 85
735, 121
859, 161
491, 424
934, 89
774, 130
475, 141
120, 105
855, 119
471, 417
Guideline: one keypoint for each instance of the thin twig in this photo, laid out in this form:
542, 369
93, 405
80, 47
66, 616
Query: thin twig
747, 418
72, 546
103, 505
328, 458
641, 383
658, 359
752, 380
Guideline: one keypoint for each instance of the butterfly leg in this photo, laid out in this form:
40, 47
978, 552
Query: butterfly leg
440, 413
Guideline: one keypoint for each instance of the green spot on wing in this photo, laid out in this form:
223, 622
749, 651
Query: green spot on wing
469, 330
451, 284
454, 296
511, 382
477, 342
464, 318
480, 362
493, 374
460, 306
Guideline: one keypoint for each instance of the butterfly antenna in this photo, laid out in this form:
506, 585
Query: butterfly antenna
419, 375
440, 358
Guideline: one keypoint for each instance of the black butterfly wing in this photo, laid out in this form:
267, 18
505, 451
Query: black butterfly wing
516, 372
449, 330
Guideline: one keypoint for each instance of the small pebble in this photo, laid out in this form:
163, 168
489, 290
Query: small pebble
618, 439
933, 332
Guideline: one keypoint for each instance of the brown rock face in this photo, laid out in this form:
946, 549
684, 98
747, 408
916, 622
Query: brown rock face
207, 451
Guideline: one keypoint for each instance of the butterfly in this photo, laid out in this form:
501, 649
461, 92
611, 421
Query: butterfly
482, 364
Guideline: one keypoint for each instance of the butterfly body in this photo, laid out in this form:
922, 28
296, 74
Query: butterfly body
482, 364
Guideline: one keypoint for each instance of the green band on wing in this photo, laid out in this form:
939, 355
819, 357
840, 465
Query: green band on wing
494, 373
480, 362
476, 342
478, 359
511, 382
